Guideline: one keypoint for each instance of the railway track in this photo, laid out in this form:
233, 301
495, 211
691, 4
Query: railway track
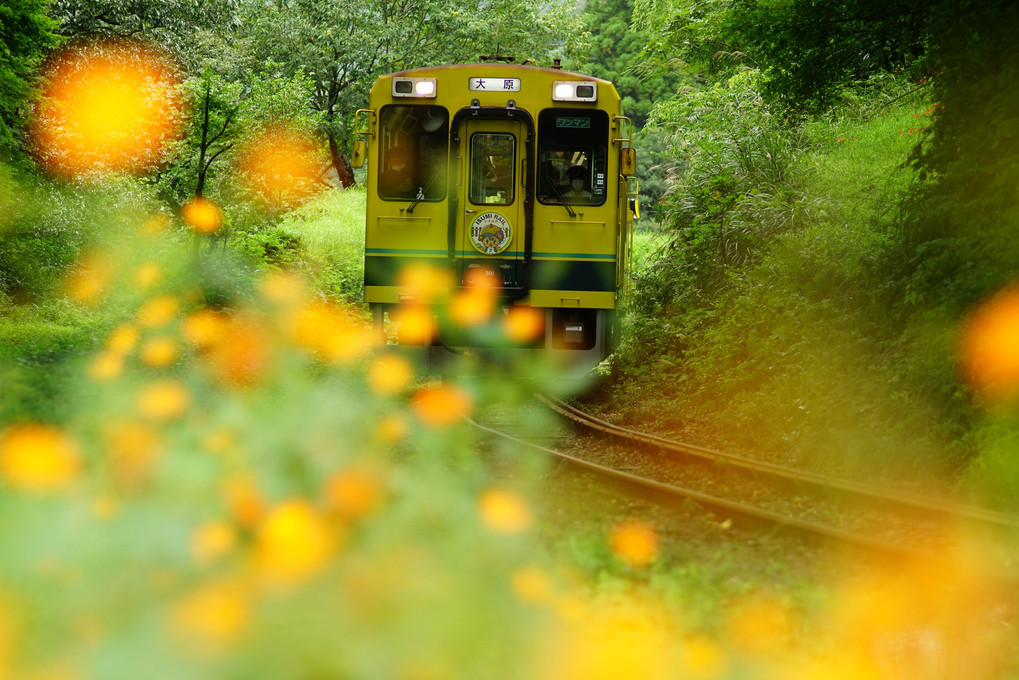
922, 527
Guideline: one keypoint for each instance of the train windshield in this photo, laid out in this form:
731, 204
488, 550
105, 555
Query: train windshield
414, 149
492, 166
572, 156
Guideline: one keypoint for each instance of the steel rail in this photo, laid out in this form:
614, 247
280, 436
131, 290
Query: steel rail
954, 510
811, 528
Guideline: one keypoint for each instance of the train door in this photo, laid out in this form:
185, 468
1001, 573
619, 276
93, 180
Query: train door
492, 220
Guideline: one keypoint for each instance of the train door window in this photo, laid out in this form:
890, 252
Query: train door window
492, 168
572, 156
413, 152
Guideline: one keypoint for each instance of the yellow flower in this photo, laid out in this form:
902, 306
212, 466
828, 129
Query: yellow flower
635, 543
38, 458
158, 311
212, 541
391, 429
106, 366
122, 340
204, 327
244, 501
159, 352
504, 512
89, 279
532, 585
355, 493
331, 332
163, 400
283, 288
202, 215
215, 614
441, 406
148, 275
389, 374
133, 447
292, 543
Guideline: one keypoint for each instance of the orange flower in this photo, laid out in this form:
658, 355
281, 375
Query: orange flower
204, 327
392, 429
389, 374
123, 339
989, 346
244, 501
215, 614
212, 541
331, 332
158, 311
108, 106
148, 275
106, 366
38, 458
241, 353
355, 493
133, 448
281, 167
163, 400
441, 406
532, 585
159, 352
202, 215
415, 325
89, 279
504, 512
472, 307
635, 543
524, 324
282, 287
292, 543
425, 283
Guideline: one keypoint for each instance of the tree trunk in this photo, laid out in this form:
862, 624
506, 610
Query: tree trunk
340, 162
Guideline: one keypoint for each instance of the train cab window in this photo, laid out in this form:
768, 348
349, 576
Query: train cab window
492, 168
572, 156
413, 152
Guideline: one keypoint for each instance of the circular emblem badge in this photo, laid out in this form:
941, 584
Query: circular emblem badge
490, 233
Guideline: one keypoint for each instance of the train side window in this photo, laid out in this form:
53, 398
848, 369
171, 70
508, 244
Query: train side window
572, 156
493, 168
413, 152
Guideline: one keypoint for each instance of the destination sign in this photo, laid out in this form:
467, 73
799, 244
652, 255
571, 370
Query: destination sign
572, 122
494, 85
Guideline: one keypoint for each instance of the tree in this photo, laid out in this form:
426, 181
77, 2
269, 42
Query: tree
26, 34
344, 46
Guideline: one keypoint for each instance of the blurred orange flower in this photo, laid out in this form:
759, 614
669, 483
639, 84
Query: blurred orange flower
415, 325
204, 327
123, 339
148, 275
635, 543
212, 541
163, 400
331, 332
106, 366
472, 306
107, 106
990, 346
532, 585
524, 324
282, 287
158, 311
425, 283
158, 352
241, 352
504, 512
89, 279
133, 447
38, 458
282, 167
202, 215
244, 501
392, 429
355, 493
292, 543
389, 374
441, 406
215, 614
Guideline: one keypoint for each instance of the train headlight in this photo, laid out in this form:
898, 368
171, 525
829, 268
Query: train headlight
574, 91
414, 87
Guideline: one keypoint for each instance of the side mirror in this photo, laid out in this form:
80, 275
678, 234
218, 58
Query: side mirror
628, 161
635, 207
360, 153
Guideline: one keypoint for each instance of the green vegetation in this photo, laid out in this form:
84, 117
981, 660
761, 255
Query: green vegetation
188, 399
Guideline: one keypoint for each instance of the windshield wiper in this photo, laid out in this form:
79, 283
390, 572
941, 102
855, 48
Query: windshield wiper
417, 199
562, 198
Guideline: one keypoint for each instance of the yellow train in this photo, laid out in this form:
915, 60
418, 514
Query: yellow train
500, 206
